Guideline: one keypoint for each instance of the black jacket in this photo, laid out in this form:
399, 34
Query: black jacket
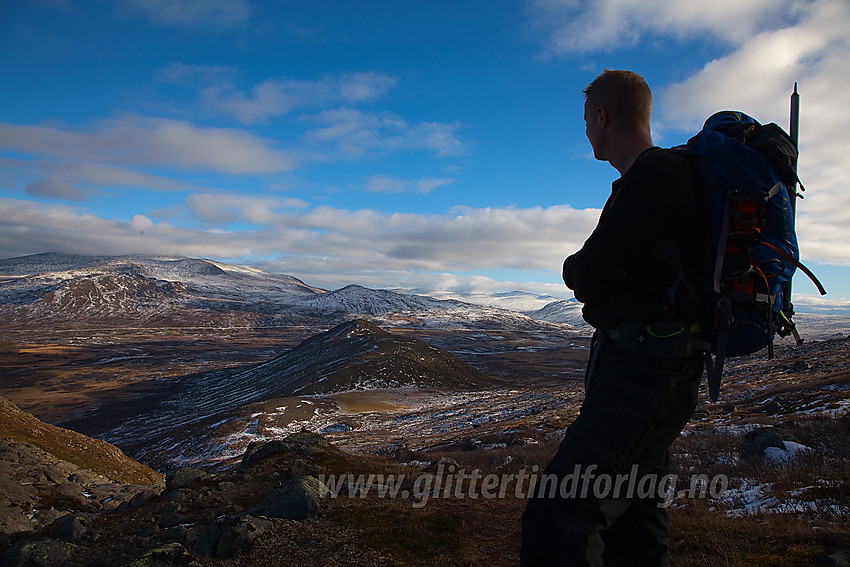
651, 231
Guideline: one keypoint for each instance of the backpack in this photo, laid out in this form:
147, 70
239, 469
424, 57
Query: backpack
748, 171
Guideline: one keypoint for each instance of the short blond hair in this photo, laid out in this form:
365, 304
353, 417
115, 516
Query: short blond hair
624, 94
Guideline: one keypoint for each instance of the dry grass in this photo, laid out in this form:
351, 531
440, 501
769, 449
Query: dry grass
704, 531
808, 519
701, 537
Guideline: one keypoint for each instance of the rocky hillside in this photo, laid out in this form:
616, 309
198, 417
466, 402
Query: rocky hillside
272, 509
209, 515
47, 472
175, 420
17, 426
359, 355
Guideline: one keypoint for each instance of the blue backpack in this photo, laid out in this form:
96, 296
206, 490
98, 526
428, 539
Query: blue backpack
749, 174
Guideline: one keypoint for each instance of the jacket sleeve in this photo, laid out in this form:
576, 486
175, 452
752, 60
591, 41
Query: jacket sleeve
633, 220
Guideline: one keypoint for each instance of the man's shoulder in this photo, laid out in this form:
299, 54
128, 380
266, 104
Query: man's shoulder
660, 162
660, 156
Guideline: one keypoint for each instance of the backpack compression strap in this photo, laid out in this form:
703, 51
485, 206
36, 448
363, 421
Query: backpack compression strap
788, 257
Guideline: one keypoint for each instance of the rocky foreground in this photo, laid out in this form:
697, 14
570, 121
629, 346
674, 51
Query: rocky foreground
193, 515
271, 509
46, 471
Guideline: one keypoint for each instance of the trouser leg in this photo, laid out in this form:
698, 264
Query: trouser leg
631, 414
642, 531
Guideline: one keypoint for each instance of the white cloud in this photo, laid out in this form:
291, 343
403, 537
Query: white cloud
354, 134
364, 87
231, 208
70, 163
183, 74
275, 97
573, 26
53, 188
323, 240
190, 14
151, 142
390, 184
76, 180
27, 227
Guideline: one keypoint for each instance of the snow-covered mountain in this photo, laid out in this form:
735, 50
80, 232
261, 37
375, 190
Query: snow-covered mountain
49, 270
66, 290
561, 311
520, 301
362, 300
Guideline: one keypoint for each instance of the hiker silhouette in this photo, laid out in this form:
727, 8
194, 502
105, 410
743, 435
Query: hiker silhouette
603, 493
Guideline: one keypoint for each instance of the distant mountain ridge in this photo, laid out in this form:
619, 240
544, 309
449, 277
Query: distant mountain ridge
168, 268
48, 262
562, 311
358, 299
65, 290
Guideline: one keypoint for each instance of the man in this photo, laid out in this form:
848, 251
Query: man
642, 380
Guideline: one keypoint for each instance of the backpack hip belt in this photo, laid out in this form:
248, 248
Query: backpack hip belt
658, 339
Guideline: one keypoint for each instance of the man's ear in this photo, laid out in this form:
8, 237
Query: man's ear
602, 116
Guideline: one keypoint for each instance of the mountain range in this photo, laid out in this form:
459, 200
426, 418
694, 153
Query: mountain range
63, 290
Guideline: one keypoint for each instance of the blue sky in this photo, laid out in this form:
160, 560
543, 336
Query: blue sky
436, 146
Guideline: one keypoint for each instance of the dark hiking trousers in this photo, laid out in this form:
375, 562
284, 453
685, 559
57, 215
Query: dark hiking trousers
634, 408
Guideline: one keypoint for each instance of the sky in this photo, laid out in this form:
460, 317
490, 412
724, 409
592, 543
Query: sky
433, 146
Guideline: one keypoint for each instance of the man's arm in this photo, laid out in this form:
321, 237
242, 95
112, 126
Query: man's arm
652, 192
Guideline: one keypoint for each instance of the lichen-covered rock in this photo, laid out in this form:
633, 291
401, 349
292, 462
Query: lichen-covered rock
12, 492
756, 442
45, 553
73, 528
297, 499
447, 463
228, 537
302, 468
13, 520
304, 443
180, 478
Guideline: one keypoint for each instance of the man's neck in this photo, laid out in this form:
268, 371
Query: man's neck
628, 151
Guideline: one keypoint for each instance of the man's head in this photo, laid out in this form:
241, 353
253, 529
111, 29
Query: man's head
617, 110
